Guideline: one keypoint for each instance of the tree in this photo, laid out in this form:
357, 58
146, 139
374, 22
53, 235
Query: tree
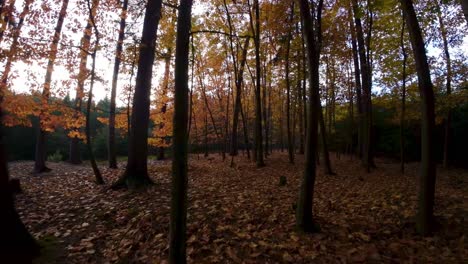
464, 4
111, 152
136, 172
313, 37
82, 76
288, 90
178, 226
366, 77
40, 154
258, 101
17, 244
424, 220
97, 173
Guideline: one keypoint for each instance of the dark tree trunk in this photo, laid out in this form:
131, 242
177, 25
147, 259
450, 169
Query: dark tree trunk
136, 172
178, 227
357, 77
258, 100
237, 102
424, 220
403, 99
89, 144
167, 68
448, 85
312, 34
17, 244
40, 157
288, 92
323, 134
367, 159
111, 151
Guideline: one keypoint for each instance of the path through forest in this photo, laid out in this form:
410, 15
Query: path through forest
242, 214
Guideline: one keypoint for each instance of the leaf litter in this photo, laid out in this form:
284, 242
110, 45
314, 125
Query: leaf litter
244, 215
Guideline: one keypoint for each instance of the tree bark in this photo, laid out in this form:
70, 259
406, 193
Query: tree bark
17, 244
111, 151
367, 159
288, 91
424, 220
41, 155
136, 172
403, 99
323, 133
74, 151
97, 173
312, 34
258, 100
448, 85
237, 102
357, 76
178, 226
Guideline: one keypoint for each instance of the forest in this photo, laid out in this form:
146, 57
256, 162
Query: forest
233, 131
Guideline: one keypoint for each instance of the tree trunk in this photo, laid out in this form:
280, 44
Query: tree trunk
448, 84
237, 102
136, 172
111, 151
178, 226
14, 44
74, 151
312, 34
41, 155
323, 133
17, 244
357, 77
403, 99
165, 85
89, 144
367, 160
288, 91
424, 220
6, 9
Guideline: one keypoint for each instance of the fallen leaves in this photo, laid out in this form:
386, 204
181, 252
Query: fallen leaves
242, 215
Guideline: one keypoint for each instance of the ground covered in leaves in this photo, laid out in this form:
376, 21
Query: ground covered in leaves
243, 215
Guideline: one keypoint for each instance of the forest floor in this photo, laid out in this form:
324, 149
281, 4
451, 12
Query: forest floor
243, 215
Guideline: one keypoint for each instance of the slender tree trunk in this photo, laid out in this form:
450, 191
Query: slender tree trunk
237, 103
288, 92
424, 220
6, 13
246, 133
312, 34
178, 227
136, 172
323, 134
258, 102
41, 155
165, 85
111, 150
367, 160
357, 76
74, 151
89, 144
448, 85
14, 44
403, 99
